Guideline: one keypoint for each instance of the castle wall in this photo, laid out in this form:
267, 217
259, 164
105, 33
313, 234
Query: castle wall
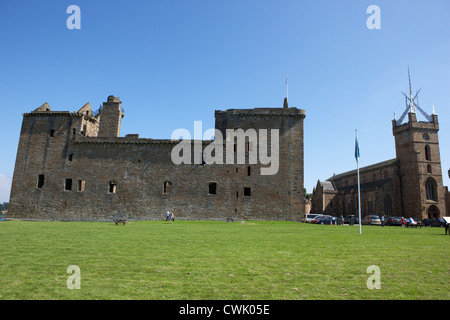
94, 178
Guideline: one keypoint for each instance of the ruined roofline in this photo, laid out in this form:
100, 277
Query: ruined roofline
264, 112
129, 140
59, 114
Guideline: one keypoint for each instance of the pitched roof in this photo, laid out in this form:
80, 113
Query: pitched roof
364, 169
327, 185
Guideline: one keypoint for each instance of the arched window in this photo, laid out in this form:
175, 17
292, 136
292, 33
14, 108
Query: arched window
427, 153
431, 189
429, 168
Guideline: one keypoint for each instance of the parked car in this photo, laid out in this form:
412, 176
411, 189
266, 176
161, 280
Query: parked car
327, 220
311, 216
317, 219
393, 221
435, 222
371, 219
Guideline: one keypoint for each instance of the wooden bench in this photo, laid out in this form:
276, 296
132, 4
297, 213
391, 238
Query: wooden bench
418, 225
117, 221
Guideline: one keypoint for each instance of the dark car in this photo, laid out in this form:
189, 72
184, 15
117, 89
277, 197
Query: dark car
437, 222
327, 220
393, 221
317, 219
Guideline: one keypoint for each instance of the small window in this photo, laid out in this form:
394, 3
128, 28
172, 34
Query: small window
68, 185
249, 171
71, 157
247, 192
84, 130
41, 180
52, 133
74, 131
212, 188
429, 168
112, 187
167, 187
427, 153
81, 185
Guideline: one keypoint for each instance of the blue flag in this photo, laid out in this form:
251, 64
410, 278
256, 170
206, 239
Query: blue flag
356, 148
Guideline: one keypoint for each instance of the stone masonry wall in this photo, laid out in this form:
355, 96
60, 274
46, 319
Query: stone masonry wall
90, 178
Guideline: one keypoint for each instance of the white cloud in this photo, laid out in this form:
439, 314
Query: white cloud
5, 188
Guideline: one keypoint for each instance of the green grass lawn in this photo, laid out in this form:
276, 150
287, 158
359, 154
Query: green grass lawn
220, 260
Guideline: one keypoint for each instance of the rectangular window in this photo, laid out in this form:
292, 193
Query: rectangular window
71, 157
167, 187
212, 188
247, 192
68, 185
112, 187
81, 185
249, 171
52, 133
84, 130
41, 180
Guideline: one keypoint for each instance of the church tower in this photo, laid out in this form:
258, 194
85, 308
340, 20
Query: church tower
417, 150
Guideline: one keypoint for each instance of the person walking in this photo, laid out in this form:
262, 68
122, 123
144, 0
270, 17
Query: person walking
167, 216
172, 217
403, 222
382, 220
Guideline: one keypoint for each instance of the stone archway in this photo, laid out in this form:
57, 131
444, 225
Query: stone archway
433, 212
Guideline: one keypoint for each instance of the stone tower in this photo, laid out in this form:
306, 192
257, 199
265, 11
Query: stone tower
289, 122
44, 156
111, 116
417, 149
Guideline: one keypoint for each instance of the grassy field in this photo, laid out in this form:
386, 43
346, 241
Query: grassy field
220, 260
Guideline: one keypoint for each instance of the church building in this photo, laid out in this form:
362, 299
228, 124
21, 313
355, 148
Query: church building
410, 185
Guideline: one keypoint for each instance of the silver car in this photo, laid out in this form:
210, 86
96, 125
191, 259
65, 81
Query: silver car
371, 219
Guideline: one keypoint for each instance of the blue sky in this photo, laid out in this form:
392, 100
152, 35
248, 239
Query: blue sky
175, 62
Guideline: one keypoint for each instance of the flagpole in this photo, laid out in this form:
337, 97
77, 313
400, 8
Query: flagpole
357, 169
